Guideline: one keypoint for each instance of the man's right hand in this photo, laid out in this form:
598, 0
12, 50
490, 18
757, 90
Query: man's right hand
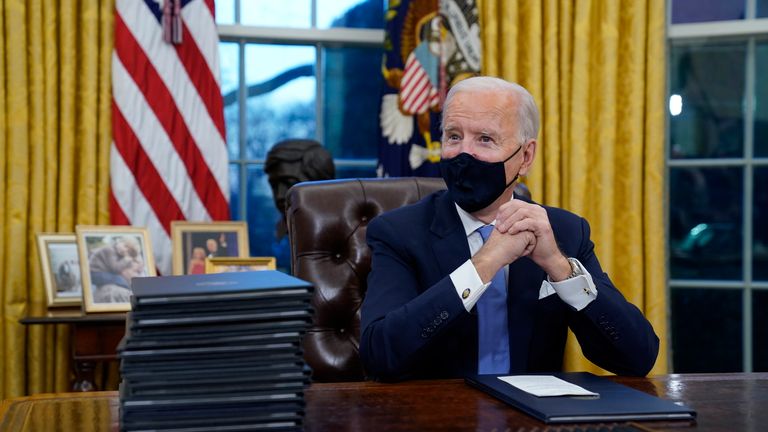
500, 250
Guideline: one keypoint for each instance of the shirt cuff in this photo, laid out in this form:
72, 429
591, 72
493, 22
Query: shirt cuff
468, 284
577, 291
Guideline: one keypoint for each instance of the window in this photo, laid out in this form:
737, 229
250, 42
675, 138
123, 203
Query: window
297, 69
717, 167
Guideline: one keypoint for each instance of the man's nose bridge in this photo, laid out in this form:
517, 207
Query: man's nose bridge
467, 146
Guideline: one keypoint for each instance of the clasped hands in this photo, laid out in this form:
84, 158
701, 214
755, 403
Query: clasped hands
522, 229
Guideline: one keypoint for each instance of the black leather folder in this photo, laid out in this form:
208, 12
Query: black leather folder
616, 402
173, 291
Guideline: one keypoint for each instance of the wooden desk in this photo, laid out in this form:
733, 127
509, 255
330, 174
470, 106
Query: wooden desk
94, 339
725, 402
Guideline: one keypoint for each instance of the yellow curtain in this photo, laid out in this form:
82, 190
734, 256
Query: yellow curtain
596, 68
55, 101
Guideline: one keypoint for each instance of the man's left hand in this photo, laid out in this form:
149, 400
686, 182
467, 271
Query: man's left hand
517, 216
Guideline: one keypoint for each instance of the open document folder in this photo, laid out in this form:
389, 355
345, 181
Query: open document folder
603, 401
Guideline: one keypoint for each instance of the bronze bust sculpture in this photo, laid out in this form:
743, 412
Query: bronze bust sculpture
293, 161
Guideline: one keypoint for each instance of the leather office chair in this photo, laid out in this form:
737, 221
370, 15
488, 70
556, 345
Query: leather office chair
327, 221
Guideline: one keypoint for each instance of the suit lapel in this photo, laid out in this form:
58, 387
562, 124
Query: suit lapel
450, 248
449, 239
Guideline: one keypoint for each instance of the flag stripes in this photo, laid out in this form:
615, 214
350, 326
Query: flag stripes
200, 28
170, 75
157, 143
147, 177
416, 90
169, 156
127, 195
205, 84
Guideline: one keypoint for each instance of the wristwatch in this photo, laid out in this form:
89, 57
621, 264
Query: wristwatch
575, 268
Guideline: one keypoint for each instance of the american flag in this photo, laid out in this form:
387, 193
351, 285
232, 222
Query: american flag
430, 45
417, 93
168, 157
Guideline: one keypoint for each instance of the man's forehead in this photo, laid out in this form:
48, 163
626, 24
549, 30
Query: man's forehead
477, 120
484, 105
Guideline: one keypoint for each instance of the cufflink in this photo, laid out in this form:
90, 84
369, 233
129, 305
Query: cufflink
465, 293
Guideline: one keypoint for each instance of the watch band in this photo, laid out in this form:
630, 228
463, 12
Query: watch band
575, 268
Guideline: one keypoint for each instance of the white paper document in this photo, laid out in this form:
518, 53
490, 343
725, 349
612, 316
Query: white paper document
546, 385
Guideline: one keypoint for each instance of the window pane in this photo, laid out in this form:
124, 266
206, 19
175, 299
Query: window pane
352, 91
234, 192
761, 99
230, 73
271, 13
262, 217
281, 95
759, 225
762, 8
706, 330
760, 331
688, 11
355, 171
225, 11
350, 13
705, 226
706, 94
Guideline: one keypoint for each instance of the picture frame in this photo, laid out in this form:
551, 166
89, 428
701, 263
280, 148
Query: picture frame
110, 256
227, 265
193, 242
60, 263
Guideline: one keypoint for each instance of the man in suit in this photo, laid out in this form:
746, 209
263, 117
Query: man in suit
476, 280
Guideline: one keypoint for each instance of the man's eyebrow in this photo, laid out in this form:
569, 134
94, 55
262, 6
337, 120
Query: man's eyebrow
489, 133
449, 128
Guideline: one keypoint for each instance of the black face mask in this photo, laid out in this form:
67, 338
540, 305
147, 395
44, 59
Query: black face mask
475, 184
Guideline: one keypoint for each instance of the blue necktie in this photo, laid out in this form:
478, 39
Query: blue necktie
492, 331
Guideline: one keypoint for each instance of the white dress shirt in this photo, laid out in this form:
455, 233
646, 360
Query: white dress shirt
578, 291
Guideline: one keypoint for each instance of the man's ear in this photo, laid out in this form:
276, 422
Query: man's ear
529, 153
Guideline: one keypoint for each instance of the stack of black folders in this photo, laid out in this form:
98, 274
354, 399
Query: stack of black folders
215, 352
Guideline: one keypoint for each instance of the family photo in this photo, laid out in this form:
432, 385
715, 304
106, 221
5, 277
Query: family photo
110, 258
194, 242
61, 269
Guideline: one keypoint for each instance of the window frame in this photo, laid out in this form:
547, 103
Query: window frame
751, 30
316, 37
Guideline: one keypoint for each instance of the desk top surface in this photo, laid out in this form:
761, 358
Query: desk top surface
724, 402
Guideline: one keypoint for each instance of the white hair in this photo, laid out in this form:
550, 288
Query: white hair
527, 111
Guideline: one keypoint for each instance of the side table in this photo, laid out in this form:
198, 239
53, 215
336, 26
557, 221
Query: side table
94, 339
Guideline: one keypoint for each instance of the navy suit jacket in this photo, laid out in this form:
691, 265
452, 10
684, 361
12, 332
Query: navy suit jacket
414, 325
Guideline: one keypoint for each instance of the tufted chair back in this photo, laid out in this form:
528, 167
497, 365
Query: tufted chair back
327, 221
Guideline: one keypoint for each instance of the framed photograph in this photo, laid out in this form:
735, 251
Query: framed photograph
61, 269
193, 242
229, 265
110, 256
